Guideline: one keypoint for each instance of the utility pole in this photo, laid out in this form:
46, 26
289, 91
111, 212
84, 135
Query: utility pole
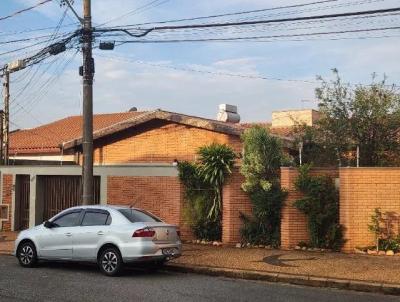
6, 118
87, 74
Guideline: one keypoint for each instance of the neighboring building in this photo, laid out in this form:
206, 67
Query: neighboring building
134, 155
291, 118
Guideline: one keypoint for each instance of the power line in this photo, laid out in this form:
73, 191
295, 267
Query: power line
328, 24
230, 14
262, 37
32, 38
24, 10
13, 33
44, 89
254, 77
54, 34
304, 18
141, 32
140, 9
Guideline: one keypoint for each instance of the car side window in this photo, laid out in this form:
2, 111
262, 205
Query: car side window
109, 219
67, 220
95, 218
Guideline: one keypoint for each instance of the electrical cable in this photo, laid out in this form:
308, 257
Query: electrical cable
256, 77
229, 14
262, 37
138, 10
24, 10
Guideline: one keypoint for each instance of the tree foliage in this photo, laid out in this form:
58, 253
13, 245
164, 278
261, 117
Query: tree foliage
263, 156
367, 116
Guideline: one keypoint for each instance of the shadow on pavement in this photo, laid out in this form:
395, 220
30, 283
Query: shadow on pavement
129, 270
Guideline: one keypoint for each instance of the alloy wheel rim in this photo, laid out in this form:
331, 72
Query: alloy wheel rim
109, 262
26, 255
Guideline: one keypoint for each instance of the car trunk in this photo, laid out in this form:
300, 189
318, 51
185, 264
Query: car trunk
164, 233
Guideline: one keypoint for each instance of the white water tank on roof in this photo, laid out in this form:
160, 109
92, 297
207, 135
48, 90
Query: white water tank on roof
228, 113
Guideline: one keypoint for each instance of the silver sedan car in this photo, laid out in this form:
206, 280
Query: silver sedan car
110, 236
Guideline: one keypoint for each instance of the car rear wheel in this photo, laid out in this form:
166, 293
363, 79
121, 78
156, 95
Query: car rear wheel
27, 255
110, 262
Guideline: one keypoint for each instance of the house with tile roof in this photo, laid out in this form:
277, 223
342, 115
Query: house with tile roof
134, 164
61, 139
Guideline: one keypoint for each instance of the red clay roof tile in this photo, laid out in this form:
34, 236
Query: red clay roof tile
48, 138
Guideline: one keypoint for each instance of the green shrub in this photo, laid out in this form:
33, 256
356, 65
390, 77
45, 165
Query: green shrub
203, 182
321, 206
389, 244
262, 159
216, 163
381, 226
196, 212
263, 226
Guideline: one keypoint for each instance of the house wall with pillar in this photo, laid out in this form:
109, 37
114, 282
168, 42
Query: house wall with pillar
153, 187
362, 190
9, 190
294, 226
235, 201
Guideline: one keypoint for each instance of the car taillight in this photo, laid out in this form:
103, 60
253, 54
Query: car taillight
144, 233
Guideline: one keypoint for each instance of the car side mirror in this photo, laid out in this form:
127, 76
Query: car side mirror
48, 224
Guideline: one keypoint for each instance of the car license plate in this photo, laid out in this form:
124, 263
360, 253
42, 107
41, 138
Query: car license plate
170, 251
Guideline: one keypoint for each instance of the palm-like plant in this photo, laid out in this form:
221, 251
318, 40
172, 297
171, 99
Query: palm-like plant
217, 161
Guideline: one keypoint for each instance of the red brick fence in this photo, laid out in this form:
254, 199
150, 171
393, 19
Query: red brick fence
361, 191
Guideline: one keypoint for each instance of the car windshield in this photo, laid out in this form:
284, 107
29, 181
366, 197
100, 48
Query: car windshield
138, 216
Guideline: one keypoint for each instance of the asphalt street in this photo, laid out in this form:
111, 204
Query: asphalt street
78, 282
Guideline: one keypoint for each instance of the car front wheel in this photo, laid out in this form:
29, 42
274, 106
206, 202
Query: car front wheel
27, 255
110, 262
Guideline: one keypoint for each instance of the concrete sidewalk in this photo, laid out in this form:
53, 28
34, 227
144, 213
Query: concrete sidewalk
350, 271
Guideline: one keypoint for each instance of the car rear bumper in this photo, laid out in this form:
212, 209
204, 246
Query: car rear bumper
146, 251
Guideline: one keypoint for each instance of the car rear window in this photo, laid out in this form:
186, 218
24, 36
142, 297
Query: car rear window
138, 216
95, 218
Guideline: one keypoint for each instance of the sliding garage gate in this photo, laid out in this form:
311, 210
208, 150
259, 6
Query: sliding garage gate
62, 192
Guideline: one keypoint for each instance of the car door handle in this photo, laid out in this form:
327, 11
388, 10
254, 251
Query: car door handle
68, 234
100, 233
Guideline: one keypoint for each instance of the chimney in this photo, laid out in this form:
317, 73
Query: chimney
228, 113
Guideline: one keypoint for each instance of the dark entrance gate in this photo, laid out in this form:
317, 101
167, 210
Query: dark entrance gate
61, 192
22, 191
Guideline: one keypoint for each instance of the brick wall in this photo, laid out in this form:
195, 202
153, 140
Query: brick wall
361, 191
235, 200
294, 223
158, 141
7, 199
161, 195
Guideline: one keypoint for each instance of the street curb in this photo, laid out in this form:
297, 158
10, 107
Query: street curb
304, 280
5, 253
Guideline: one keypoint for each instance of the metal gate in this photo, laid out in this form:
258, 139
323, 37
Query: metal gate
22, 192
62, 192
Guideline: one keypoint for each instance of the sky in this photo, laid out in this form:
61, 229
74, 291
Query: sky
134, 74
